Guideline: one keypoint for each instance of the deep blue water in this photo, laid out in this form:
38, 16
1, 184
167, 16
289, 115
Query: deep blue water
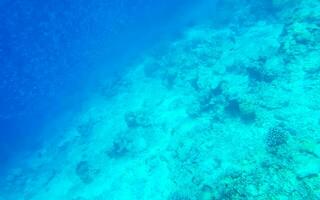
52, 51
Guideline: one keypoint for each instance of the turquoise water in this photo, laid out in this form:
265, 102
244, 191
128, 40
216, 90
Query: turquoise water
207, 100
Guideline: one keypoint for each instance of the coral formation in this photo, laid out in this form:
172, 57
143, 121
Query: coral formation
136, 119
120, 148
276, 136
86, 172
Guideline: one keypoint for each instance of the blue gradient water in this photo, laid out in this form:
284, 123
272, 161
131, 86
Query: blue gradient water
51, 53
160, 100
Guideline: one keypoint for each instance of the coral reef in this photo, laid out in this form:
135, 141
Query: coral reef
137, 119
276, 136
120, 148
241, 109
228, 110
86, 172
128, 143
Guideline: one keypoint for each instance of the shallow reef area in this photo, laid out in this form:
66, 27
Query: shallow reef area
221, 113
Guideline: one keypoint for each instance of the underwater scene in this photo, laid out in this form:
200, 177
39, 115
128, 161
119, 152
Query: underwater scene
160, 100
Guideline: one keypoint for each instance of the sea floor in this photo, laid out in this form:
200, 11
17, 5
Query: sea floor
223, 112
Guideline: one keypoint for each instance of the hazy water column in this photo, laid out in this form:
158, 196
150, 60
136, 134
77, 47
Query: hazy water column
51, 51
